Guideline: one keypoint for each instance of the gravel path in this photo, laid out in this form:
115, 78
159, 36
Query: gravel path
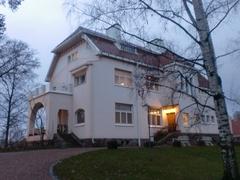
33, 165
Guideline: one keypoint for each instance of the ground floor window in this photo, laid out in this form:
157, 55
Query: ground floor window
80, 116
185, 119
154, 117
123, 113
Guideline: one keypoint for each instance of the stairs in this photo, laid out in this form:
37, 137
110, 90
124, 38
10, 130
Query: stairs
65, 140
168, 138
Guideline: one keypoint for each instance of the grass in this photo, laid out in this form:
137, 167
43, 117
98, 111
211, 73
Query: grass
194, 163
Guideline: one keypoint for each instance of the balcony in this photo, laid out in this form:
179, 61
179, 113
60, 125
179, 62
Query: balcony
52, 87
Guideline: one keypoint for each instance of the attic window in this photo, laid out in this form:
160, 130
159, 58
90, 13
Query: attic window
128, 48
73, 56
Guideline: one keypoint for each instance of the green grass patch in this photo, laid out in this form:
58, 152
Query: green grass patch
167, 163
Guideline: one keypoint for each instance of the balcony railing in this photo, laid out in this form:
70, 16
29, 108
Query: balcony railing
52, 87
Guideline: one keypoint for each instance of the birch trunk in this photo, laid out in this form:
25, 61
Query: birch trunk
207, 48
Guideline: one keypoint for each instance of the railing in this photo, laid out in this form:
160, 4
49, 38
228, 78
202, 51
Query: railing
52, 87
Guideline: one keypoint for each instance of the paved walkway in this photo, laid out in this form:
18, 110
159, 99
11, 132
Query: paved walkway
33, 165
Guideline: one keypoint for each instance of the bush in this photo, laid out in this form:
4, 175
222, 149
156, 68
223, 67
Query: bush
148, 144
112, 144
201, 143
177, 143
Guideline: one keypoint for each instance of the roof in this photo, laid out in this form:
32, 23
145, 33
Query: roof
235, 126
202, 81
109, 46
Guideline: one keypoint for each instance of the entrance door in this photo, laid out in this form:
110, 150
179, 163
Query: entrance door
171, 122
62, 121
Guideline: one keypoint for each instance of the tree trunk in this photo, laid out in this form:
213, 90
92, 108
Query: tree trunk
207, 48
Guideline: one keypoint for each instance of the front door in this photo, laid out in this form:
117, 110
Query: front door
171, 122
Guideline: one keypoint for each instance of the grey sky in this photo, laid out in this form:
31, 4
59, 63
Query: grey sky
43, 24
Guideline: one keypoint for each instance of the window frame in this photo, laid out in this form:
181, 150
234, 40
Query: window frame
126, 114
77, 78
150, 116
80, 110
128, 79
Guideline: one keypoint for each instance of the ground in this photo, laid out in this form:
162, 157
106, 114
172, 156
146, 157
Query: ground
33, 165
171, 163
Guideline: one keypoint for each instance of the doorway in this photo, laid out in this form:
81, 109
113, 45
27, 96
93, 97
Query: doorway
62, 121
171, 117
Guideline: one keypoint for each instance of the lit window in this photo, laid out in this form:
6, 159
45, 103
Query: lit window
185, 119
123, 113
123, 78
79, 78
154, 117
80, 116
152, 82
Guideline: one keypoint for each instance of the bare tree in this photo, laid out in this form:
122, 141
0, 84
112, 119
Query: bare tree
197, 20
13, 97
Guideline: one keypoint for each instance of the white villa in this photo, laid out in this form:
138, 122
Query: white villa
101, 87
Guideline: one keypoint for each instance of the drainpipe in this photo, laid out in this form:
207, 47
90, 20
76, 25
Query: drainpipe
137, 115
149, 129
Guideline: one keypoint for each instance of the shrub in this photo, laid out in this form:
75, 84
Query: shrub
112, 144
148, 144
201, 143
177, 143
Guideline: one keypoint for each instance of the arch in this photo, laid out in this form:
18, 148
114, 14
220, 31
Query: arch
37, 120
80, 116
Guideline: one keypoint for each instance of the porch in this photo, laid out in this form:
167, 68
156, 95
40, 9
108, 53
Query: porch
49, 111
163, 118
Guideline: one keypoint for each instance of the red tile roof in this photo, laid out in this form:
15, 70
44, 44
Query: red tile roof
203, 82
143, 56
235, 126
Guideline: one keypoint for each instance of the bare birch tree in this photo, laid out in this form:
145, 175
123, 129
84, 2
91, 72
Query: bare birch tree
197, 20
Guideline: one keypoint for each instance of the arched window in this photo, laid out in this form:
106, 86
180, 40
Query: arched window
80, 116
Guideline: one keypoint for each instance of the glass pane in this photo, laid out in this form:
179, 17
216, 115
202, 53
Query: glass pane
129, 117
123, 117
158, 120
123, 107
117, 117
153, 119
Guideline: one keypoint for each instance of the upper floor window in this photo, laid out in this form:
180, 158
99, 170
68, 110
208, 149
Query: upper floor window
152, 82
80, 78
72, 56
123, 78
123, 113
128, 48
80, 116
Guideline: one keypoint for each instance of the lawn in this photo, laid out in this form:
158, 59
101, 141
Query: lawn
171, 163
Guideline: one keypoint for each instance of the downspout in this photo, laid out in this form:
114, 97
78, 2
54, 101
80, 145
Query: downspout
137, 116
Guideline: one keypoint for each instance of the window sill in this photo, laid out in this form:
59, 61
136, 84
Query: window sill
124, 125
156, 126
79, 125
129, 87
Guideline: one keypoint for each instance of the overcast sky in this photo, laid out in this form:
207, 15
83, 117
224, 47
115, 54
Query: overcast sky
43, 24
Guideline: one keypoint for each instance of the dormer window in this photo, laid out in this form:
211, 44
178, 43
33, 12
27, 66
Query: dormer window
72, 56
128, 48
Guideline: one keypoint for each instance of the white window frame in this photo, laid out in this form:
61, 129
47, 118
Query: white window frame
77, 78
153, 112
124, 80
76, 117
121, 112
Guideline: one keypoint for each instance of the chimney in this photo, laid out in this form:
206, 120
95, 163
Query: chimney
156, 48
114, 31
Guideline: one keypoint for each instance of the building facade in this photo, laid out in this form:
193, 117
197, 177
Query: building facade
101, 87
